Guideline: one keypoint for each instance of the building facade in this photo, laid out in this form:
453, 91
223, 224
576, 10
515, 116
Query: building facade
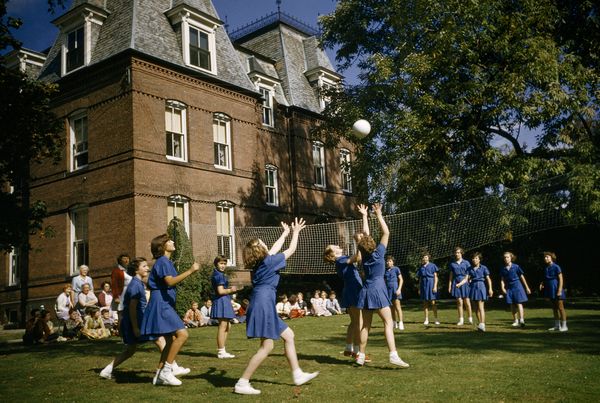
167, 115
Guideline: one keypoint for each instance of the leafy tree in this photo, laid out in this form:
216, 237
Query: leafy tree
444, 81
196, 287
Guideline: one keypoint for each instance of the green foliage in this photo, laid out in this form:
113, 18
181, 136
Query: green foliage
197, 286
444, 81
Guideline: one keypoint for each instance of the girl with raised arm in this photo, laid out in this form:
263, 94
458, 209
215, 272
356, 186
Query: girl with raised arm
262, 320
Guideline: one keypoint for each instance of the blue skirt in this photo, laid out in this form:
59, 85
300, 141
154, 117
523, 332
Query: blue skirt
427, 293
350, 296
373, 296
550, 289
460, 292
222, 308
478, 291
515, 293
391, 291
160, 317
261, 318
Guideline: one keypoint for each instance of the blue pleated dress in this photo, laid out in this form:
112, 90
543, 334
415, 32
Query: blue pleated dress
427, 275
391, 282
551, 282
261, 317
160, 317
135, 291
515, 293
459, 271
477, 275
374, 294
221, 307
352, 281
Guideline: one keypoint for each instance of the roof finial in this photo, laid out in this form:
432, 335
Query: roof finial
278, 6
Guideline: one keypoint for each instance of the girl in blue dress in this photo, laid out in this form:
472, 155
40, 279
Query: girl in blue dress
261, 318
346, 268
477, 276
134, 302
553, 289
428, 287
458, 271
222, 310
160, 317
394, 282
373, 296
512, 281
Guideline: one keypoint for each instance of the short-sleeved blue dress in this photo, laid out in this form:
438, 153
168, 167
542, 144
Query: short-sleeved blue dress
135, 291
391, 281
160, 317
261, 317
477, 275
374, 294
352, 281
427, 275
459, 271
515, 293
551, 282
221, 307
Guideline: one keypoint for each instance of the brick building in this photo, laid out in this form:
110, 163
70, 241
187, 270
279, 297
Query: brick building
166, 114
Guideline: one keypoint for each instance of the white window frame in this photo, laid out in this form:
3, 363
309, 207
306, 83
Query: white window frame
220, 149
271, 185
75, 261
228, 208
346, 172
170, 108
85, 26
318, 153
74, 145
188, 22
13, 268
267, 114
172, 203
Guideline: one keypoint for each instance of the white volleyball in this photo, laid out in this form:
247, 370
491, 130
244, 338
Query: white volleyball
361, 128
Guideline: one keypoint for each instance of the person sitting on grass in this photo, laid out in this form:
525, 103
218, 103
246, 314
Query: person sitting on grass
28, 338
332, 304
109, 322
94, 327
42, 332
193, 316
86, 299
283, 307
73, 325
295, 311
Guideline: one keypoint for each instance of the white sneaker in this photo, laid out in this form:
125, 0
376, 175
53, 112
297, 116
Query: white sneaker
178, 371
481, 327
563, 328
360, 359
426, 322
224, 355
461, 322
395, 325
515, 323
437, 322
166, 377
155, 379
554, 329
106, 374
398, 361
401, 326
245, 389
470, 320
304, 377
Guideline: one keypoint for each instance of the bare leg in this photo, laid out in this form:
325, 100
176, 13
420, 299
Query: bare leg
125, 354
179, 340
555, 309
513, 308
426, 310
468, 306
266, 346
367, 316
521, 311
561, 310
386, 316
290, 348
400, 314
165, 351
355, 325
459, 307
434, 307
396, 312
481, 311
222, 333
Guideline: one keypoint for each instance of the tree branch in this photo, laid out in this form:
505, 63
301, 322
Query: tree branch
506, 135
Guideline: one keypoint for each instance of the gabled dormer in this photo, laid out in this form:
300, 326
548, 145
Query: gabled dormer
197, 34
323, 80
266, 84
79, 29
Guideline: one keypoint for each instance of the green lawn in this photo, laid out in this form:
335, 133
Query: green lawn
447, 363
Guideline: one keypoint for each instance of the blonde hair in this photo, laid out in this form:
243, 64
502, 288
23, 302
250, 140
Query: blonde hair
329, 255
254, 253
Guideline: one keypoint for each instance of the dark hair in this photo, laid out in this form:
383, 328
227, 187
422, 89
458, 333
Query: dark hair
366, 245
477, 254
134, 264
71, 310
43, 313
390, 257
551, 254
219, 258
121, 256
293, 299
423, 254
91, 310
34, 311
157, 246
459, 249
104, 282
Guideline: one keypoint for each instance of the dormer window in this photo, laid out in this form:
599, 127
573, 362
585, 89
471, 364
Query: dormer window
323, 81
198, 32
80, 28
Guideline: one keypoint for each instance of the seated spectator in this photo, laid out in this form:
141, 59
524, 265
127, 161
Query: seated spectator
28, 338
42, 332
78, 282
234, 304
241, 312
86, 299
105, 298
73, 325
109, 322
332, 304
283, 307
94, 327
193, 316
302, 303
64, 303
320, 305
205, 311
295, 310
313, 301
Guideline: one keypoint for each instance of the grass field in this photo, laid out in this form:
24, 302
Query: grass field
447, 363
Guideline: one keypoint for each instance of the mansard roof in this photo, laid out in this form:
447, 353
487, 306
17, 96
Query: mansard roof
145, 27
